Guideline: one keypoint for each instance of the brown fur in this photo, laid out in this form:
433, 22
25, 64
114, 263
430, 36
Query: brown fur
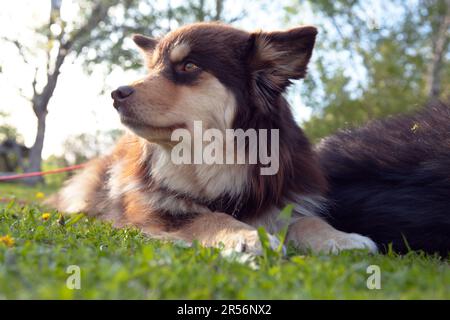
237, 82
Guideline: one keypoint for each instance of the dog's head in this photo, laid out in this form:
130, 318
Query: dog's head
213, 73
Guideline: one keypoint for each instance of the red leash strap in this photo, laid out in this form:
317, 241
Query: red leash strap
41, 173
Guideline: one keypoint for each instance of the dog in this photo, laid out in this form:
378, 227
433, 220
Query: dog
226, 78
390, 180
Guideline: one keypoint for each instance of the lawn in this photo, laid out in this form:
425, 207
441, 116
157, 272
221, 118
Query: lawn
37, 246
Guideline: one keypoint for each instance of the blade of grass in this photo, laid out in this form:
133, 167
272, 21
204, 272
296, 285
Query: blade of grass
285, 218
74, 219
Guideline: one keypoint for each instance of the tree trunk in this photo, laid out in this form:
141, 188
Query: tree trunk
40, 108
219, 9
35, 158
439, 47
40, 100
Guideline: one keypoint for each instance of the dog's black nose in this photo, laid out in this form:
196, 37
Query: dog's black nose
121, 93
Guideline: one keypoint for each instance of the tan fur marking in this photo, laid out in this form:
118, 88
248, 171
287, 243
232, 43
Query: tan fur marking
136, 212
161, 106
179, 52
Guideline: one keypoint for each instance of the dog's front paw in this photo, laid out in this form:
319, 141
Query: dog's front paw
346, 241
248, 241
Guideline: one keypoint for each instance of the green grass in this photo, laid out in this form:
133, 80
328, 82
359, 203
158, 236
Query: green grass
122, 264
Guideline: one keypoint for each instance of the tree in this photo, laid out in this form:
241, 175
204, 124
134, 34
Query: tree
102, 24
440, 38
82, 147
60, 39
373, 61
143, 17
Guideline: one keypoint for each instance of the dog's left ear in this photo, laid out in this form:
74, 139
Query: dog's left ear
277, 57
144, 43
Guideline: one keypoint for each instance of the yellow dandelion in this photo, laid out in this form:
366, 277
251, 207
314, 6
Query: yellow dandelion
7, 240
40, 195
45, 216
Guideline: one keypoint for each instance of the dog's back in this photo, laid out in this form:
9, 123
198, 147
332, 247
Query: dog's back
390, 180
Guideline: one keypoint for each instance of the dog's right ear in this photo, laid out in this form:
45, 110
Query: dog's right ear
144, 43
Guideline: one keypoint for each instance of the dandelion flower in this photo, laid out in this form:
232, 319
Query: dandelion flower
7, 240
45, 216
40, 195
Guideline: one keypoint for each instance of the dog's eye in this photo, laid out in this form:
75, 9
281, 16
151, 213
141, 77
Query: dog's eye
189, 67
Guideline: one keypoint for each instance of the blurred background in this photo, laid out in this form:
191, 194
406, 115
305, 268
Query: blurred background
60, 59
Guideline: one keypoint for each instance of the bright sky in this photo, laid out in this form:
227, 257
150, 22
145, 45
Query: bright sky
78, 105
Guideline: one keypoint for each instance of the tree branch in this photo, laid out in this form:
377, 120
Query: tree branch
41, 100
98, 14
20, 48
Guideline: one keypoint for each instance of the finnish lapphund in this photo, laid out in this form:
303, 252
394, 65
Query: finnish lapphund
360, 189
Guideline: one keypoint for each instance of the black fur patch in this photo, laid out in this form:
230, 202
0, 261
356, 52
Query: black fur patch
390, 180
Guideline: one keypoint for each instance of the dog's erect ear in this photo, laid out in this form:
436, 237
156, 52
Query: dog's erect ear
277, 57
144, 43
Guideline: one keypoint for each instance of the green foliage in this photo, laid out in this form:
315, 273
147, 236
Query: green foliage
8, 132
51, 163
371, 61
111, 44
82, 147
11, 144
123, 264
79, 149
